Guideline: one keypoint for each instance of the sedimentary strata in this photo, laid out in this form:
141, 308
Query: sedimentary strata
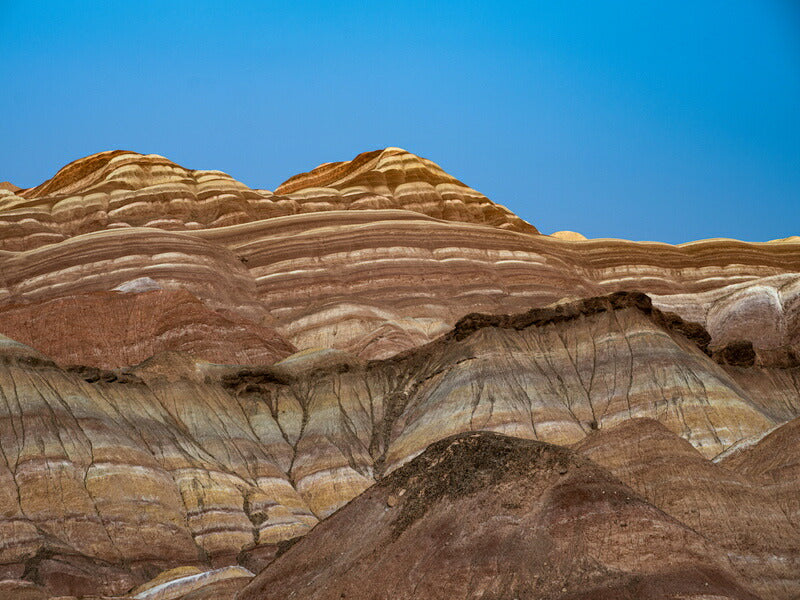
127, 326
194, 374
374, 256
744, 518
205, 461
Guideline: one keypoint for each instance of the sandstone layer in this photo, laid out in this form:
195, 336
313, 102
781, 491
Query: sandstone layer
121, 189
374, 256
120, 328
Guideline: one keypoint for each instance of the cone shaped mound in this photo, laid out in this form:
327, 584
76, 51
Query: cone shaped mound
481, 515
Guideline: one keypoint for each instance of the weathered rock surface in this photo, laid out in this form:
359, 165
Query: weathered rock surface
374, 256
17, 589
394, 178
182, 462
177, 585
126, 189
116, 329
731, 508
194, 374
483, 515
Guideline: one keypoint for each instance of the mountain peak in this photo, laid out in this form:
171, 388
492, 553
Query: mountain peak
114, 169
7, 185
343, 173
122, 188
395, 178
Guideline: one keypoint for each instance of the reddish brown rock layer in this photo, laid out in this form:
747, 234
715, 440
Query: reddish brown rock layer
774, 462
381, 283
116, 329
734, 511
482, 515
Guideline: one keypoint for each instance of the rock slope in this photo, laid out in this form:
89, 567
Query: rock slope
484, 515
121, 189
205, 461
741, 516
373, 256
194, 374
120, 328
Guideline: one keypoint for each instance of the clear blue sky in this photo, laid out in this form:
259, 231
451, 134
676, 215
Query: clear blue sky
643, 119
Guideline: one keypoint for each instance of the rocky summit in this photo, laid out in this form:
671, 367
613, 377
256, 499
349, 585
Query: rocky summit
375, 382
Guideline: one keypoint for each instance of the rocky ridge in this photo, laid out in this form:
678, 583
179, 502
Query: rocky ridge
326, 264
227, 459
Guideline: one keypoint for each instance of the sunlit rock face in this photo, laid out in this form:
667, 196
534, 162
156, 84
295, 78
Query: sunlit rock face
394, 178
376, 255
121, 189
193, 373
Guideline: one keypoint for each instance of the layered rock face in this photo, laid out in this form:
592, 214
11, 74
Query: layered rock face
374, 256
121, 189
193, 374
394, 178
205, 461
125, 327
751, 522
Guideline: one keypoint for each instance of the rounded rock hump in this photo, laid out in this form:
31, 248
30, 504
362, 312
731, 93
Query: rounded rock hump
521, 518
121, 171
120, 189
80, 174
12, 351
396, 178
569, 236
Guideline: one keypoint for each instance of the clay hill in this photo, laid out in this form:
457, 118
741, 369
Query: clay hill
376, 382
484, 515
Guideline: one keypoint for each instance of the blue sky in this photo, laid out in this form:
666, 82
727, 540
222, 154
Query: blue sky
659, 120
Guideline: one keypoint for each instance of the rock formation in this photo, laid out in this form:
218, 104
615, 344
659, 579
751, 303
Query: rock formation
194, 374
483, 515
194, 583
227, 458
730, 507
120, 328
374, 256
